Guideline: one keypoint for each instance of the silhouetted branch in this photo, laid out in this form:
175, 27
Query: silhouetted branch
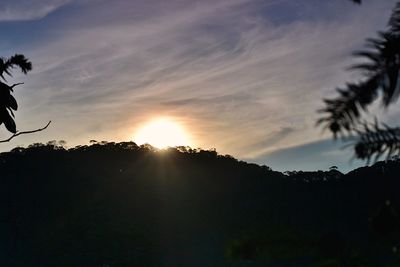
25, 132
15, 84
381, 78
345, 110
17, 60
394, 22
377, 141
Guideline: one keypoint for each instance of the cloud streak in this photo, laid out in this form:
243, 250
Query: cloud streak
321, 153
20, 10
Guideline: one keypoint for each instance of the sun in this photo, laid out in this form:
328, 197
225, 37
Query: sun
162, 133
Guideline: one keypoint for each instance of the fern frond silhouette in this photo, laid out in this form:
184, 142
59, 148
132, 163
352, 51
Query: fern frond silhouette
380, 70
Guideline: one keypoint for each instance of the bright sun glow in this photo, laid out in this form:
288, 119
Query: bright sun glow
162, 133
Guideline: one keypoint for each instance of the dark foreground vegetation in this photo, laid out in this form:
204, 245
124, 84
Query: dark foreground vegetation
118, 204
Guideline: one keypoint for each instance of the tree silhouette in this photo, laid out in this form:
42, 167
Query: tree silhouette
7, 101
8, 104
380, 69
120, 204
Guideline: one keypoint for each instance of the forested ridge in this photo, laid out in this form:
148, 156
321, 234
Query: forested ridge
119, 204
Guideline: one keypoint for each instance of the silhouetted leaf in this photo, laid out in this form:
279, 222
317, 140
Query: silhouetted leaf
7, 102
8, 121
12, 103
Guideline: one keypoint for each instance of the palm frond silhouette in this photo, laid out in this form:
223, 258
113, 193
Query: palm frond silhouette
8, 104
380, 71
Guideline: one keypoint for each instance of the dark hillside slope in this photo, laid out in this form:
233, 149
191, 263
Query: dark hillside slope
117, 204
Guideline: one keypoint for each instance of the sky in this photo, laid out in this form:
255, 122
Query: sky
245, 77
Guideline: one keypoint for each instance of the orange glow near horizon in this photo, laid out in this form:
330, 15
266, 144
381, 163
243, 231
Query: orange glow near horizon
162, 133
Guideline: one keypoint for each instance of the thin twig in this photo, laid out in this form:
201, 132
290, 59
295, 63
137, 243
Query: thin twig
26, 132
15, 84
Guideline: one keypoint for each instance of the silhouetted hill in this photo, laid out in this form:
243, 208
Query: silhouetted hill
119, 204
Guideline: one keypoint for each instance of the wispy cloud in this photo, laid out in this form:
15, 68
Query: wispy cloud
321, 154
232, 71
18, 10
